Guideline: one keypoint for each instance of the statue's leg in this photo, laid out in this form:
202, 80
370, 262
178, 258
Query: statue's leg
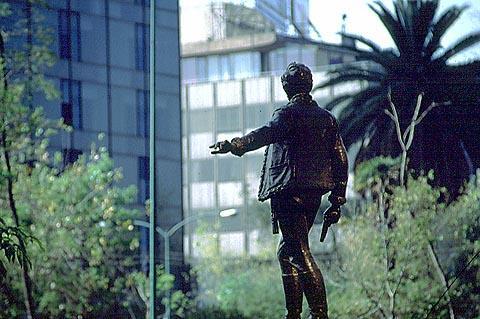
295, 219
290, 277
291, 283
312, 282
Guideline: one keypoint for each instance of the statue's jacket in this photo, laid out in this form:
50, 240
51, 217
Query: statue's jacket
304, 150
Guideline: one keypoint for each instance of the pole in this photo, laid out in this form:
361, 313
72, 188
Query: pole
167, 271
153, 282
166, 239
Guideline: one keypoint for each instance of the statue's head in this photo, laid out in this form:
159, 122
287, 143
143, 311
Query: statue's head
297, 79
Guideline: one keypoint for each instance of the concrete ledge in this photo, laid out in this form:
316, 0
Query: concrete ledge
234, 44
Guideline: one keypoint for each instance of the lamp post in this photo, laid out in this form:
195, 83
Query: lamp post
152, 166
166, 234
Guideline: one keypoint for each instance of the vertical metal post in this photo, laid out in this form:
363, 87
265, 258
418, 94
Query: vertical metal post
166, 240
152, 239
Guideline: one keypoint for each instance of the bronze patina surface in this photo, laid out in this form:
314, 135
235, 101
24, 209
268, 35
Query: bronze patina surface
305, 158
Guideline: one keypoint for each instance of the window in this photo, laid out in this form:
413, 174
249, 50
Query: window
278, 91
225, 69
69, 35
143, 113
242, 65
143, 179
199, 144
200, 96
232, 243
201, 121
201, 64
228, 119
256, 116
142, 2
70, 155
141, 52
213, 68
202, 195
201, 171
229, 169
67, 113
228, 93
308, 56
336, 59
277, 60
188, 69
292, 53
257, 90
71, 103
230, 194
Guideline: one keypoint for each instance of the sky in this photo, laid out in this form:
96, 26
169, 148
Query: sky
326, 15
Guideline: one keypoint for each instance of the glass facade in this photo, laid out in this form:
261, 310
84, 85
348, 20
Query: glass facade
141, 52
143, 113
221, 67
69, 38
102, 77
143, 178
71, 105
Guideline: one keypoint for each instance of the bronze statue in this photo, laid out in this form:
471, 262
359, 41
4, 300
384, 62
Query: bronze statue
304, 160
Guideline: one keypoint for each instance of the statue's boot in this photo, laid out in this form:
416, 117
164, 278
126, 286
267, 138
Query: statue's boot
293, 295
314, 288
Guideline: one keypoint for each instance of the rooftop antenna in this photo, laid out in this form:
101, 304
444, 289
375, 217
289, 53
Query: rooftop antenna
344, 23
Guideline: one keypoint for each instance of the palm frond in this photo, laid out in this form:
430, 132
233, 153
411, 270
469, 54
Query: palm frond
424, 22
386, 59
336, 101
461, 45
353, 67
363, 40
404, 16
443, 23
356, 122
364, 97
349, 77
393, 27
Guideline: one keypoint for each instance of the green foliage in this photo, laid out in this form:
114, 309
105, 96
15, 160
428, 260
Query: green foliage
84, 256
23, 130
384, 265
138, 282
381, 264
214, 313
372, 172
238, 287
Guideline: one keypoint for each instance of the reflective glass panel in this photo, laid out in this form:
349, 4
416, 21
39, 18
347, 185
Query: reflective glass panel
257, 90
202, 195
230, 194
199, 144
228, 93
200, 96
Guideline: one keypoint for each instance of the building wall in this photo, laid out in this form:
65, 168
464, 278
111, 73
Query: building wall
102, 74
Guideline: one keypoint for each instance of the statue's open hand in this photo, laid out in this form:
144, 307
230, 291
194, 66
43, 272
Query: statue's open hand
221, 147
332, 215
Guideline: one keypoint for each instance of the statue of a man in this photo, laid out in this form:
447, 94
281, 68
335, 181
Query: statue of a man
304, 160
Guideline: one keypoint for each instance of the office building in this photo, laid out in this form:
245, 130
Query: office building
231, 85
102, 76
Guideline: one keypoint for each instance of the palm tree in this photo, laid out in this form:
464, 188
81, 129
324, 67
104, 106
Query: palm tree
447, 139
